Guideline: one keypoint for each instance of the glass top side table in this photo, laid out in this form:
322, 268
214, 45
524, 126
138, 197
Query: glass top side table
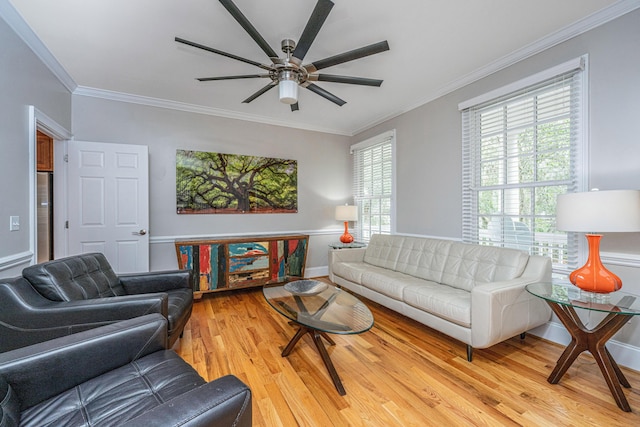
564, 299
352, 245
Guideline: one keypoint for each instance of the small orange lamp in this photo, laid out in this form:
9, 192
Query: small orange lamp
346, 213
598, 211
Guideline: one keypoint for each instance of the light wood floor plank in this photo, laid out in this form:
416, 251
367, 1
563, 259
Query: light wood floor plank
400, 373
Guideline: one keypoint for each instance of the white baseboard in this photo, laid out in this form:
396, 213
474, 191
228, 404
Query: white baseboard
316, 271
624, 354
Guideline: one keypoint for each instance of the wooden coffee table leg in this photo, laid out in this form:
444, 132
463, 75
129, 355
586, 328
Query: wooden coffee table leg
593, 340
317, 340
317, 336
328, 338
299, 334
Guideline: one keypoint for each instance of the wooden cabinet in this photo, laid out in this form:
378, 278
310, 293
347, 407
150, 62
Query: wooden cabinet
242, 262
44, 155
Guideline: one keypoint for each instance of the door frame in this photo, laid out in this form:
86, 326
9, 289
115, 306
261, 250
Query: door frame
39, 121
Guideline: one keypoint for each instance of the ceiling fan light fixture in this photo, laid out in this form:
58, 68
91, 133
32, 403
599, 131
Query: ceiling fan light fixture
288, 87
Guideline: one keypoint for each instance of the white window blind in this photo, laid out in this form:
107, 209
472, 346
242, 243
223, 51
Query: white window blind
519, 152
373, 185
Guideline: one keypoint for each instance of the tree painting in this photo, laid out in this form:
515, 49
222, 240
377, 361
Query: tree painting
228, 183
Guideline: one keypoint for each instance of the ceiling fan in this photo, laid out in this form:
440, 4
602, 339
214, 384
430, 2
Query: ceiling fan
288, 73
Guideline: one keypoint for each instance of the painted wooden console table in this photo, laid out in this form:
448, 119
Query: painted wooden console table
242, 262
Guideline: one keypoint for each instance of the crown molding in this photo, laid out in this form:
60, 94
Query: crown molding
194, 108
590, 22
11, 16
17, 23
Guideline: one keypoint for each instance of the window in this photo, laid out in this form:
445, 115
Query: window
520, 151
373, 182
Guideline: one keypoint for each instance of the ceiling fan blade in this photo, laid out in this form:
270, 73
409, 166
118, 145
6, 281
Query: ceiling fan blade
345, 79
219, 52
248, 27
372, 49
325, 94
246, 76
260, 92
295, 107
318, 16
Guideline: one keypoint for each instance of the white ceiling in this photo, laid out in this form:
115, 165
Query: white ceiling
115, 47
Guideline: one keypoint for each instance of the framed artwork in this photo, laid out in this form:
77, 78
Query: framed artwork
217, 183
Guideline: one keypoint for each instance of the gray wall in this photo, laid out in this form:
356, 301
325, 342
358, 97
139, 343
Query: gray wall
429, 137
324, 171
429, 152
24, 81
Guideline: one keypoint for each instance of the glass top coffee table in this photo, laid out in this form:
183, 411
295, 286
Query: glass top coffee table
319, 309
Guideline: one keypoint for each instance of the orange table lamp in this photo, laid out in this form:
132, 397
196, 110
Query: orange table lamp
346, 213
610, 211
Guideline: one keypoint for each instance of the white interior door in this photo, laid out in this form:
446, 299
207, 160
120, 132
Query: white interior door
108, 203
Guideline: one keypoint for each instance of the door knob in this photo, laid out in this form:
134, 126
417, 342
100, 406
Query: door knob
140, 233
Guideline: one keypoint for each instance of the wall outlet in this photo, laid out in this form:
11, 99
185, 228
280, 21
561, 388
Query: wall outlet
14, 223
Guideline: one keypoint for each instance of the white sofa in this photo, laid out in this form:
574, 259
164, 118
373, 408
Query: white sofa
473, 293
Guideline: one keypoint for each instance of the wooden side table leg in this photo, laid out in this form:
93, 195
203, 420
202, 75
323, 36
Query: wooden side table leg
623, 380
610, 376
609, 368
593, 340
578, 344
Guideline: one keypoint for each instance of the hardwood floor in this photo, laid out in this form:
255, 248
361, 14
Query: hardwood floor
400, 373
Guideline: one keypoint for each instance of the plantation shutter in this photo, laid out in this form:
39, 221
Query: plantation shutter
520, 151
373, 185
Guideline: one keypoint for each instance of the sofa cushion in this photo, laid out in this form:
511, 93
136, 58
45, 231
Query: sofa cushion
119, 395
447, 302
384, 250
424, 258
468, 264
79, 277
419, 257
352, 271
387, 282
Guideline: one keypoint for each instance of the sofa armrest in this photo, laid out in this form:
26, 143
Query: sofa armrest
159, 281
222, 402
23, 307
46, 369
501, 310
344, 255
27, 318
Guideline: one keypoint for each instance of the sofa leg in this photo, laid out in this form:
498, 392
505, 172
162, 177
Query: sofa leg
469, 353
523, 335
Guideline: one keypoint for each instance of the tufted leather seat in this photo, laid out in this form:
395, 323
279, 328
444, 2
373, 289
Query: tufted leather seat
81, 292
116, 375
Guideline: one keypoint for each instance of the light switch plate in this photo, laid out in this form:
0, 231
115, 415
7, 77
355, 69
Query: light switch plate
14, 223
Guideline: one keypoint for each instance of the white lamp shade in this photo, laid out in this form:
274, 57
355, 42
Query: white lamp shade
599, 211
346, 213
288, 91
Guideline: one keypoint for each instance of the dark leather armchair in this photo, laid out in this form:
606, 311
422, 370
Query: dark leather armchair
116, 375
81, 292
